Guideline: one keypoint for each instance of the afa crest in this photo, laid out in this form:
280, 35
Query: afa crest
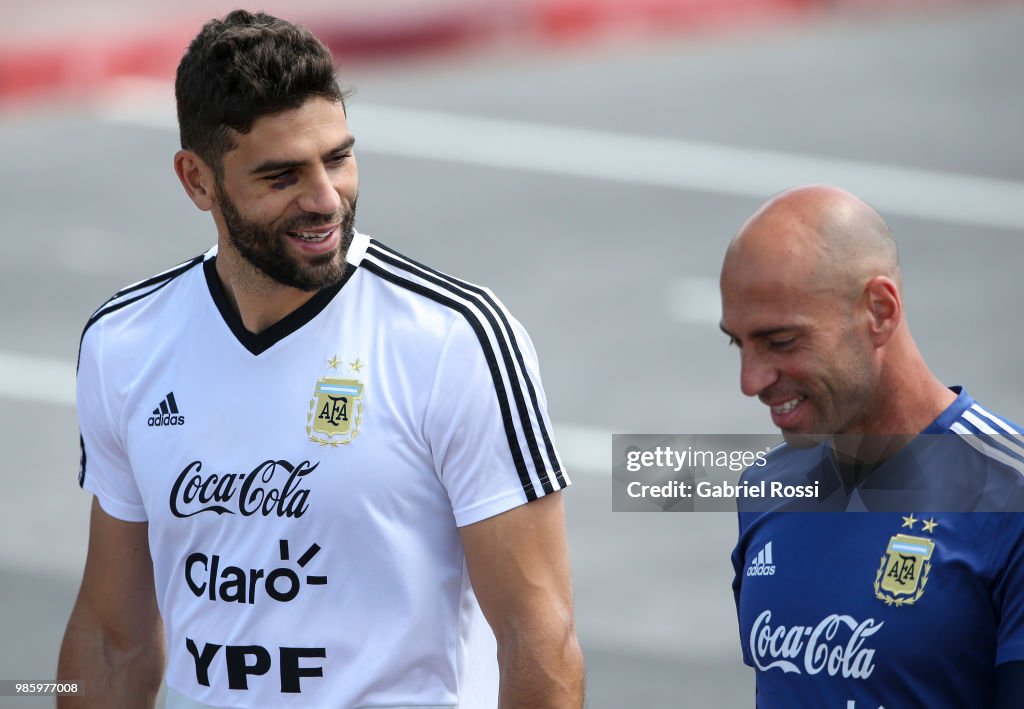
335, 411
903, 572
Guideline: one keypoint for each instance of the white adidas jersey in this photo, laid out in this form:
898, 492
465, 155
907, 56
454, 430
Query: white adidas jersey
303, 486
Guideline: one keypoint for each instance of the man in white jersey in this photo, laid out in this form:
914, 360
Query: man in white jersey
919, 600
323, 474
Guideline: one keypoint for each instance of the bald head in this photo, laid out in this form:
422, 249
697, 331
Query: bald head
822, 237
811, 298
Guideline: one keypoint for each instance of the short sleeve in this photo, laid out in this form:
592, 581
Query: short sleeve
104, 469
487, 422
1009, 593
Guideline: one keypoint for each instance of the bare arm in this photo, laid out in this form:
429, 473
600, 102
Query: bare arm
518, 562
113, 645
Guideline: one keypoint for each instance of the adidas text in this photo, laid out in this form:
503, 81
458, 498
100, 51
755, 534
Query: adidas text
166, 413
166, 420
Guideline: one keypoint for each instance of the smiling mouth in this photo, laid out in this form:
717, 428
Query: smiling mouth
312, 236
788, 406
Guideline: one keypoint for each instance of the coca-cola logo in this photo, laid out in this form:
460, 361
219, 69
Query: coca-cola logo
811, 650
274, 487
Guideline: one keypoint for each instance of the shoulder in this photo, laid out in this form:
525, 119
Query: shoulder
429, 294
975, 418
985, 437
125, 307
991, 448
485, 350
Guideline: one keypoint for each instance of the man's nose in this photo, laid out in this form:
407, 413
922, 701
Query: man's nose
756, 373
319, 195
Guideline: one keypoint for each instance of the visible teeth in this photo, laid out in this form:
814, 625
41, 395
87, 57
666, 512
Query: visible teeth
788, 406
313, 236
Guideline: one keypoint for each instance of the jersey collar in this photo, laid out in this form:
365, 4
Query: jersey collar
260, 342
961, 403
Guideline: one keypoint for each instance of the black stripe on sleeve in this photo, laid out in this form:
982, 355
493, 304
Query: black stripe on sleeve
157, 280
531, 438
492, 363
81, 464
478, 296
169, 273
114, 304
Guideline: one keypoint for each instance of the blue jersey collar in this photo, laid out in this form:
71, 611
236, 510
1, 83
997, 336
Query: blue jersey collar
952, 412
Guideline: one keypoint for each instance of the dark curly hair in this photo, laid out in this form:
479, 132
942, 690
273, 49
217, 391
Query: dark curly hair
242, 67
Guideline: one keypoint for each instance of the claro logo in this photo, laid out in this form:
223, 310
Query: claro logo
208, 576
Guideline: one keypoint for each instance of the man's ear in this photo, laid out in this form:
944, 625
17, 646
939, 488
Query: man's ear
196, 177
885, 308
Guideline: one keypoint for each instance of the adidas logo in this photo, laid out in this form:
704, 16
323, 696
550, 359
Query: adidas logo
762, 565
166, 414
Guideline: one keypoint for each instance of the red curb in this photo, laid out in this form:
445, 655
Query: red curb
401, 39
576, 19
77, 67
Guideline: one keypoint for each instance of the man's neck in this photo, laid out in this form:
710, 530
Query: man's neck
909, 399
259, 301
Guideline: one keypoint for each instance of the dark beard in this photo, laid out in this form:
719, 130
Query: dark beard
264, 246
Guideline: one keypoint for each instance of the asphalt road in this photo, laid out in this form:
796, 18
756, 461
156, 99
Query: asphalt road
609, 265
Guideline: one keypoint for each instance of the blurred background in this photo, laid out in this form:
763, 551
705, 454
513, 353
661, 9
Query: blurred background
588, 160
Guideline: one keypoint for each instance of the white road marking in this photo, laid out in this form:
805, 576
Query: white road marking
37, 379
583, 449
645, 160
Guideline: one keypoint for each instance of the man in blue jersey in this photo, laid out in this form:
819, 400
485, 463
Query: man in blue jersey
920, 602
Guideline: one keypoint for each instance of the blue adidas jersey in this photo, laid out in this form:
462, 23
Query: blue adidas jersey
911, 606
